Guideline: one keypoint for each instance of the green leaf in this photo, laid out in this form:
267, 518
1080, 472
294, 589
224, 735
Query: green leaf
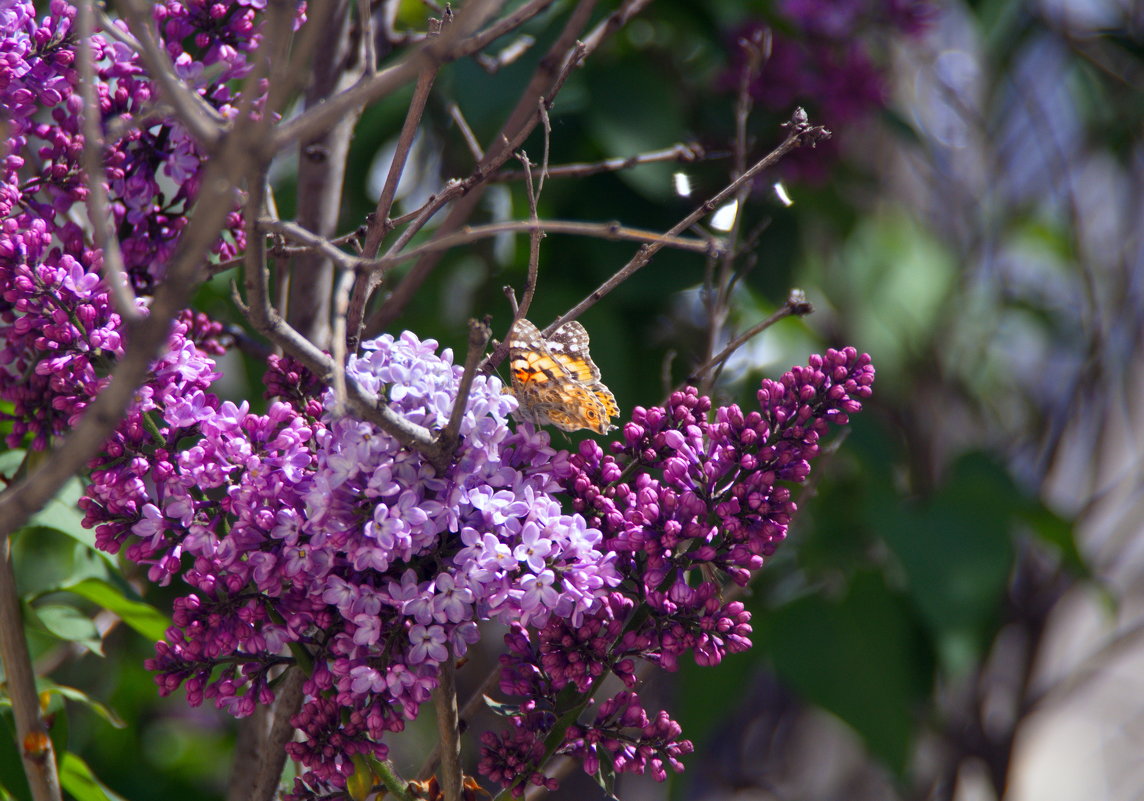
12, 778
11, 461
606, 777
139, 615
80, 783
862, 658
957, 553
1060, 534
72, 694
68, 624
62, 513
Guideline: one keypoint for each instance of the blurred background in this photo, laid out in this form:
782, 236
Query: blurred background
957, 613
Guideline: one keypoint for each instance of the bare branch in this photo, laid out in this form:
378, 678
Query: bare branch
612, 23
449, 46
801, 133
717, 295
546, 82
471, 142
445, 702
380, 225
508, 55
36, 752
479, 334
377, 229
368, 37
311, 240
682, 153
268, 322
508, 23
273, 752
475, 702
98, 207
612, 231
201, 120
321, 175
795, 306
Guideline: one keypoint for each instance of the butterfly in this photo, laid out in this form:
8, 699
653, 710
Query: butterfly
555, 380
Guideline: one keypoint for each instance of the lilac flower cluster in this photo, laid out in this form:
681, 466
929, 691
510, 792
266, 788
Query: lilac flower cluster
825, 56
329, 536
683, 497
61, 333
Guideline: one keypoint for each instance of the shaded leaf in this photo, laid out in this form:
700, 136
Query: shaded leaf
68, 624
139, 615
72, 694
861, 658
80, 783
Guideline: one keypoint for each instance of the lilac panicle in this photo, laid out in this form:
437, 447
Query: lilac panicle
826, 56
61, 333
685, 494
326, 534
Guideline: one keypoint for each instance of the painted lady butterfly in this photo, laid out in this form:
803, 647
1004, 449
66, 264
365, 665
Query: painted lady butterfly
556, 381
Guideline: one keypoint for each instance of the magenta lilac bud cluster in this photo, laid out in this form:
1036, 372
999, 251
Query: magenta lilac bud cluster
685, 497
61, 332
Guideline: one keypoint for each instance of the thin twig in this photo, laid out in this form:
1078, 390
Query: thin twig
203, 122
681, 153
451, 45
551, 73
610, 231
795, 306
801, 133
99, 209
508, 55
479, 334
380, 225
508, 23
534, 237
467, 134
368, 36
311, 241
267, 321
717, 295
377, 229
612, 23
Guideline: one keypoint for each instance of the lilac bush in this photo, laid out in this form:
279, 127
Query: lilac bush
307, 537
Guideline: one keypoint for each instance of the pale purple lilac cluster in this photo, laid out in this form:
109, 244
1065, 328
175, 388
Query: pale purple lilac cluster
327, 535
684, 497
